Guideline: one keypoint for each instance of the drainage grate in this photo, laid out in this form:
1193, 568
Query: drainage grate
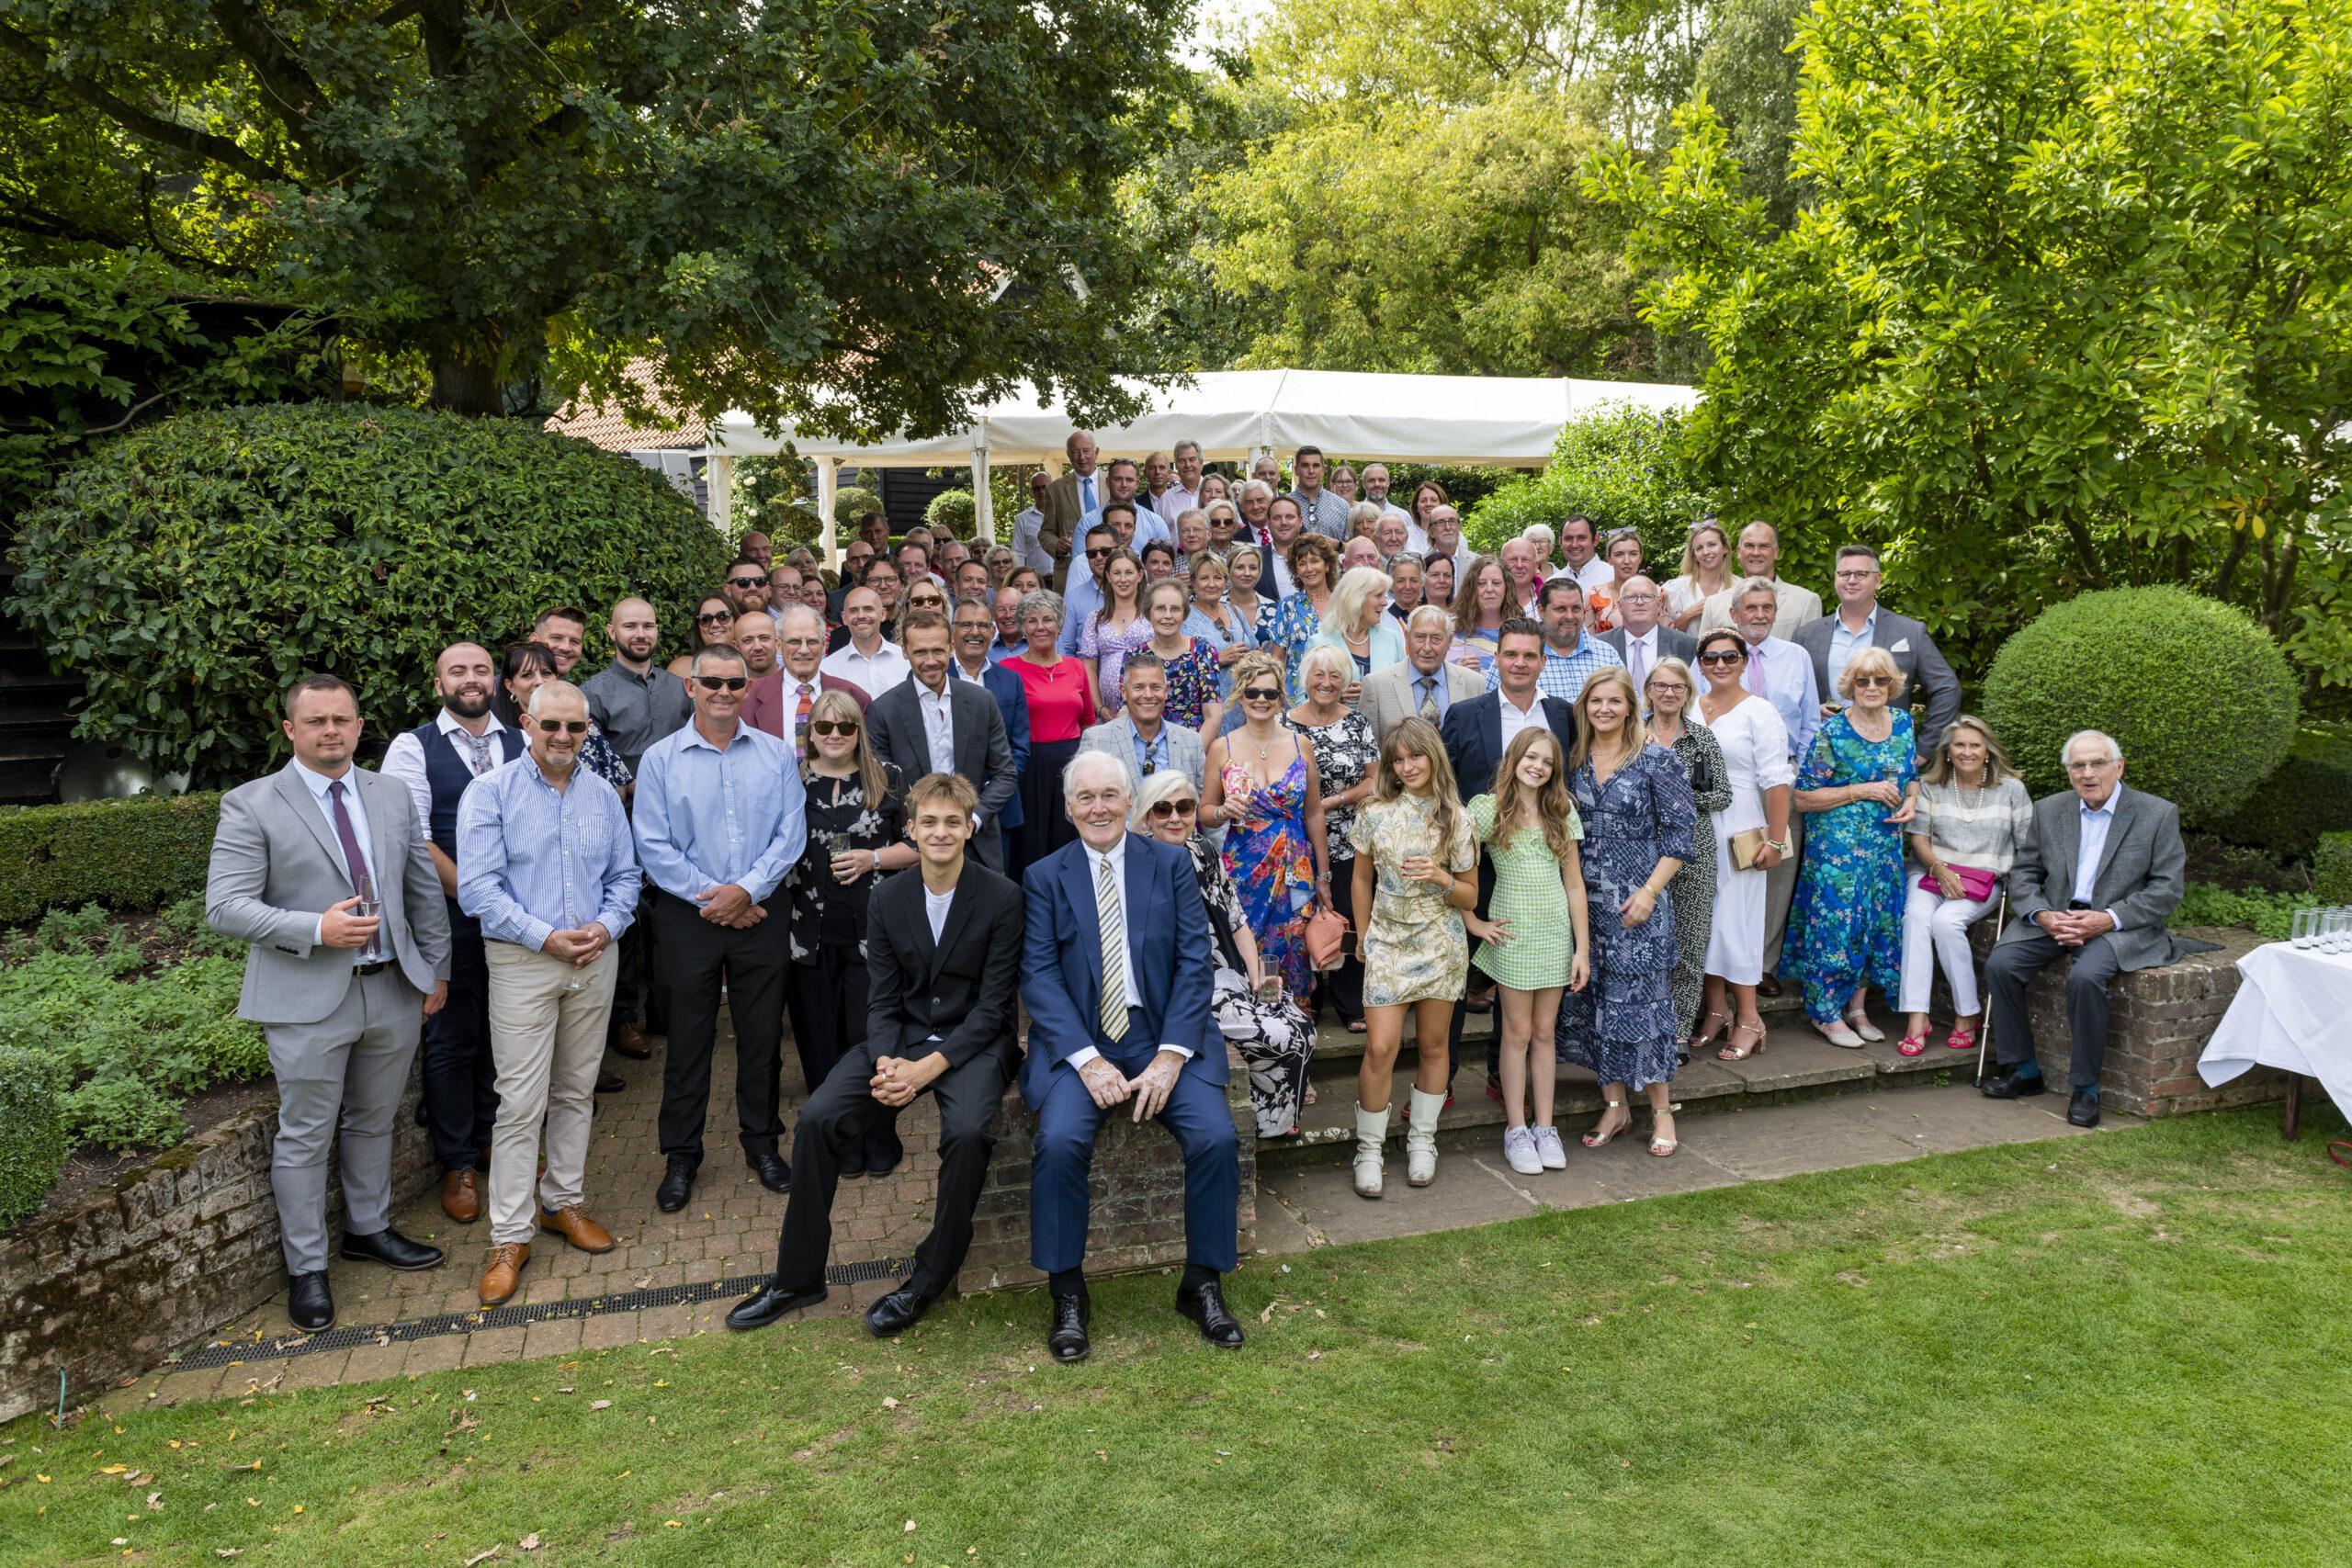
353, 1337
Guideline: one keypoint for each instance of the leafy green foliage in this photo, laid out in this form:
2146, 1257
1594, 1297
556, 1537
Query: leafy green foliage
1623, 466
2332, 869
2270, 915
33, 1140
2198, 696
126, 854
952, 510
771, 497
2310, 795
852, 503
191, 570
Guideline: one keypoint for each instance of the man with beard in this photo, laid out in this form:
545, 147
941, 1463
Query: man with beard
435, 761
636, 703
745, 586
562, 631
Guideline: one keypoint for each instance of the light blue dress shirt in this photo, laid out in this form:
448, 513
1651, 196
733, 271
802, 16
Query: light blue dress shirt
2091, 853
1083, 597
533, 859
1564, 675
706, 817
1789, 687
1842, 646
1149, 525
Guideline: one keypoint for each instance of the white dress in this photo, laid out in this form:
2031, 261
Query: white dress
1755, 758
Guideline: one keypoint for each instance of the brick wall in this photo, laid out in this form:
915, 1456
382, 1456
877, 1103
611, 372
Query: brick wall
179, 1243
1137, 1186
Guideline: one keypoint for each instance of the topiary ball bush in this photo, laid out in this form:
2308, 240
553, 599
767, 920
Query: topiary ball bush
190, 571
33, 1132
954, 510
852, 503
2198, 696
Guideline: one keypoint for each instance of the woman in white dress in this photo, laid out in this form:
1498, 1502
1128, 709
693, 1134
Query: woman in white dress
1756, 765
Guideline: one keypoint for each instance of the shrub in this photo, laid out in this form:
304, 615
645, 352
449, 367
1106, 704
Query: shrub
2309, 795
33, 1132
952, 510
1621, 466
852, 503
192, 569
2332, 869
127, 854
768, 496
2270, 915
2198, 696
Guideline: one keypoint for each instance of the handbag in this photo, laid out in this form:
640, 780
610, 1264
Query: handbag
1977, 884
1327, 939
1745, 846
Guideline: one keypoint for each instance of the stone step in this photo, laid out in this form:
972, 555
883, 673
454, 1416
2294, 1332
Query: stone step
1337, 1050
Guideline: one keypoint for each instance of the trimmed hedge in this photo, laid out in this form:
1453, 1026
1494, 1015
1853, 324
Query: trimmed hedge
2198, 696
127, 854
2332, 869
2310, 795
33, 1132
852, 503
954, 511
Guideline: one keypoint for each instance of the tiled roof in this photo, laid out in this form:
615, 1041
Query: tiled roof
612, 430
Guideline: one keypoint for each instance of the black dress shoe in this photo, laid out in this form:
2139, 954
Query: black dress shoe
1205, 1306
773, 1174
309, 1302
896, 1313
2082, 1108
2006, 1085
677, 1184
1768, 986
391, 1249
883, 1153
610, 1083
852, 1163
1066, 1339
772, 1301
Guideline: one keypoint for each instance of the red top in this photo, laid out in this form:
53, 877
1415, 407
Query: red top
1058, 705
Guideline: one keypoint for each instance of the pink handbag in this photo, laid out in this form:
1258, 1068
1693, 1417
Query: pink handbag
1977, 885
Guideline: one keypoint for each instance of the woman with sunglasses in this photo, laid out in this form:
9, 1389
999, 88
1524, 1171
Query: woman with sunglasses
856, 819
1261, 779
1116, 630
1274, 1038
523, 667
1346, 753
1858, 787
1059, 689
1755, 828
926, 595
714, 621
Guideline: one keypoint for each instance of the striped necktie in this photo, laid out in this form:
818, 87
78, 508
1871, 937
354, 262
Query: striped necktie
1115, 945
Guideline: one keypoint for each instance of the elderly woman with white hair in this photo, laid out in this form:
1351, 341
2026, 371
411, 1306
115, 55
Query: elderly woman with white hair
1274, 1038
1359, 626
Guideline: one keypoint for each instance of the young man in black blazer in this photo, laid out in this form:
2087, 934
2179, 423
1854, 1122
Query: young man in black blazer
943, 959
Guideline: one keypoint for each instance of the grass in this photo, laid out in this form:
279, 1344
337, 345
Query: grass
2120, 1349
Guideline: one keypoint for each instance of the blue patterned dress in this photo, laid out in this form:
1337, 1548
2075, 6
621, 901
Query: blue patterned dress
1845, 922
1272, 867
1624, 1025
1297, 620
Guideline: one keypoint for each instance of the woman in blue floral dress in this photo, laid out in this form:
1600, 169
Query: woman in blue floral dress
1261, 785
1315, 568
1638, 814
1859, 786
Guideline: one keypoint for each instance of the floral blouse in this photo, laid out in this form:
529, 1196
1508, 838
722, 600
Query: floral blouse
824, 912
1193, 683
1344, 752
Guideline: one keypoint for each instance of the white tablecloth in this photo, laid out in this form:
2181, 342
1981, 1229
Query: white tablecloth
2294, 1011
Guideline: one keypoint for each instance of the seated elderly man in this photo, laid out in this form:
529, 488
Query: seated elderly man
1115, 974
2095, 880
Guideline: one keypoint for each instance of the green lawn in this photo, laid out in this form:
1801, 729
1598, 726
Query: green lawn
2123, 1349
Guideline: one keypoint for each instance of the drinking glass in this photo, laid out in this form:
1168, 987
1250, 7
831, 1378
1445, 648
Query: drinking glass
2305, 932
2338, 932
370, 908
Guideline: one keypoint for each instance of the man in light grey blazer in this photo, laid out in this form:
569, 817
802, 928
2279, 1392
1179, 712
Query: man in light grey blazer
1424, 683
323, 869
1141, 737
2095, 881
1640, 639
1860, 621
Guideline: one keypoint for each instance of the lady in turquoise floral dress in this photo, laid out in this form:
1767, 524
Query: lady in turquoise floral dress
1315, 568
1261, 785
1859, 785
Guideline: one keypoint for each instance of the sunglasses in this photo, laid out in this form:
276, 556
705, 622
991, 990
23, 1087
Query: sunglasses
716, 618
1261, 694
833, 727
1719, 658
722, 683
1873, 680
563, 726
1163, 809
759, 581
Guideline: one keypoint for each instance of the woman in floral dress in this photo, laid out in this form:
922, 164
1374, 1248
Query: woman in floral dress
1345, 755
1260, 783
1116, 630
1193, 674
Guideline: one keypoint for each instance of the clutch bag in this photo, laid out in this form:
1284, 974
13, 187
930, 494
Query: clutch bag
1745, 845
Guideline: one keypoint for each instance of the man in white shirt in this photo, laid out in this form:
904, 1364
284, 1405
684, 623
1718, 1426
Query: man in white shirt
1028, 526
1759, 556
1781, 673
1120, 484
1186, 493
1578, 544
865, 660
1443, 537
928, 724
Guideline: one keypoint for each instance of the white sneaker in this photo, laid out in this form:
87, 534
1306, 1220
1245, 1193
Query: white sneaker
1548, 1149
1518, 1149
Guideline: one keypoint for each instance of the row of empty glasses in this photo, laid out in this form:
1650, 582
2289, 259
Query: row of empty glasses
2323, 930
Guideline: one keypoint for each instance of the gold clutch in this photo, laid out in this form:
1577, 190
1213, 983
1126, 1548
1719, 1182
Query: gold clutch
1745, 845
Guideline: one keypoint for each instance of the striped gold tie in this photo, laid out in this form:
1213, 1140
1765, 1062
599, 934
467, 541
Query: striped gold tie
1114, 944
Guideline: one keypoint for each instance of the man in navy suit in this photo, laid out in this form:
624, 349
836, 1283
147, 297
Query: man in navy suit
1114, 972
1475, 733
975, 629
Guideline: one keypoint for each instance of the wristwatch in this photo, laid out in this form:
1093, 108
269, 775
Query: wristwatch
1778, 846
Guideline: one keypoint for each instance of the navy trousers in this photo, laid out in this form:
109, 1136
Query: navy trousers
460, 1079
1063, 1156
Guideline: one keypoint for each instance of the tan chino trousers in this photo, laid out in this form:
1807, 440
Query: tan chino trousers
548, 1044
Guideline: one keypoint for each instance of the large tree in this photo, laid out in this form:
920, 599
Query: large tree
856, 216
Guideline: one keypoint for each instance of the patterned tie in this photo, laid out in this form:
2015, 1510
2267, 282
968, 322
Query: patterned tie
1428, 698
800, 724
354, 863
480, 746
1115, 943
1756, 668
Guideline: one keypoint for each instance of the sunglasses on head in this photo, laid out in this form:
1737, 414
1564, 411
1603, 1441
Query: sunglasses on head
1261, 694
722, 683
1164, 809
833, 727
563, 726
759, 581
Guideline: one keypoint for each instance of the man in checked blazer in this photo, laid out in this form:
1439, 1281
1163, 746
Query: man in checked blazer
2095, 881
341, 996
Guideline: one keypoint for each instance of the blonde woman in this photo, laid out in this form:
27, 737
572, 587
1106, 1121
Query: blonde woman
1359, 626
1244, 569
1260, 783
1416, 871
1973, 813
1707, 568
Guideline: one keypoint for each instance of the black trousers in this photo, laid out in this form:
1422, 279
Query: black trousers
460, 1077
2011, 969
1453, 1029
827, 1003
639, 972
1343, 986
698, 958
841, 1115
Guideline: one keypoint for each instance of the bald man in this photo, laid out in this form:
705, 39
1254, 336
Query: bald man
436, 760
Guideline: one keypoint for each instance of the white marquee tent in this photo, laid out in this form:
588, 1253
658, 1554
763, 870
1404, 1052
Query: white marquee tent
1233, 414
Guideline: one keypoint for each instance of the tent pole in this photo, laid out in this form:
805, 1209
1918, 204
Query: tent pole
828, 485
719, 487
983, 511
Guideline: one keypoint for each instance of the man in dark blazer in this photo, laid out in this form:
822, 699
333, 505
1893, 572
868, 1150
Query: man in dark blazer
1640, 639
2095, 881
1860, 621
974, 628
943, 958
1115, 974
905, 726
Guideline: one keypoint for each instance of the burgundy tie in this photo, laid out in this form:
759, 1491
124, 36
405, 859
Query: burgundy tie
354, 861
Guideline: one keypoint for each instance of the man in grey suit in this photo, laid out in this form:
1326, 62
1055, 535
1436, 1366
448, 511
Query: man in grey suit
1425, 684
2096, 880
1639, 638
928, 724
1860, 621
1141, 738
323, 868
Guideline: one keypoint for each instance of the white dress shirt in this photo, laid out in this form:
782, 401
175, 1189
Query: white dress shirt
1028, 546
1117, 861
404, 761
1173, 501
873, 674
1641, 654
2091, 851
938, 725
1594, 573
1843, 645
1516, 718
318, 784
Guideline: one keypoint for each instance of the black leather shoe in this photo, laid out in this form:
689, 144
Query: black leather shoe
1066, 1339
772, 1301
2006, 1085
677, 1184
391, 1249
309, 1302
883, 1153
854, 1163
773, 1174
1768, 986
1205, 1306
896, 1313
2082, 1108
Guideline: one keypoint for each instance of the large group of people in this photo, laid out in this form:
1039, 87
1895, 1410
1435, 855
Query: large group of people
1195, 761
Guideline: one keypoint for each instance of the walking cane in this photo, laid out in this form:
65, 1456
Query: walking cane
1984, 1031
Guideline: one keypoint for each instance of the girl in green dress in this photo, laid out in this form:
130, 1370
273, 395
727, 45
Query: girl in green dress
1534, 936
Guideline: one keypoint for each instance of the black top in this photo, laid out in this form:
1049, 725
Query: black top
823, 912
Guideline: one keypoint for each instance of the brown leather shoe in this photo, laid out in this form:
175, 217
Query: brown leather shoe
503, 1276
461, 1195
1769, 985
575, 1225
630, 1041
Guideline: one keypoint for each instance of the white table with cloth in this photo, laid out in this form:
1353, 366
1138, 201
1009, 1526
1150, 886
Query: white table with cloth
2293, 1011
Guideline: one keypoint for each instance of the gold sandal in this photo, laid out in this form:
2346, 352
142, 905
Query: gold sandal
1732, 1052
1591, 1142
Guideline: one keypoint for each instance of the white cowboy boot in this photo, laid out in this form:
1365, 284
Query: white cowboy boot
1372, 1134
1420, 1138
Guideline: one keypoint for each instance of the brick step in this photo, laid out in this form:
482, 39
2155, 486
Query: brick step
1337, 1051
1796, 1063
